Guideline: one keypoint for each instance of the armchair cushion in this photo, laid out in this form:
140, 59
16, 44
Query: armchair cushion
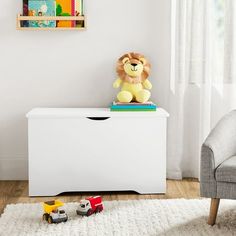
219, 146
226, 172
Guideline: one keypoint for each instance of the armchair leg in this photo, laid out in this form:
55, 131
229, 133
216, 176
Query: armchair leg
213, 211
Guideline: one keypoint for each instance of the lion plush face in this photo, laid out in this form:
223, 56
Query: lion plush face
133, 68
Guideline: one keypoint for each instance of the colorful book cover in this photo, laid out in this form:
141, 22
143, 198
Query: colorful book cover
79, 11
65, 8
25, 23
42, 8
25, 7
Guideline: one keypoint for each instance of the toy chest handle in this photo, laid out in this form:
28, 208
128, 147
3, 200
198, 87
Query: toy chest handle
98, 118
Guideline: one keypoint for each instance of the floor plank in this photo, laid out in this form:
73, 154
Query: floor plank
12, 192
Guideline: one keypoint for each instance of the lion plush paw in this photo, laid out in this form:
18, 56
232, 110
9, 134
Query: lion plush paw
117, 83
124, 96
143, 96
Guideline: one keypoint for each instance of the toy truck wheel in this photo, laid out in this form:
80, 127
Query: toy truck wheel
45, 216
66, 218
89, 212
98, 209
50, 220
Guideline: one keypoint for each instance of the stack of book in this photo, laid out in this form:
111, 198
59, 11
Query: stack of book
133, 106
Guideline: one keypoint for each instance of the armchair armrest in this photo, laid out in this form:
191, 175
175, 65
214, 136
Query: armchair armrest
219, 146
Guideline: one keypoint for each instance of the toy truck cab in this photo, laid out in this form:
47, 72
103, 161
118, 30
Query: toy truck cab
53, 212
90, 206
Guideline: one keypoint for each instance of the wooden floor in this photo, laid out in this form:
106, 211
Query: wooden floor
17, 192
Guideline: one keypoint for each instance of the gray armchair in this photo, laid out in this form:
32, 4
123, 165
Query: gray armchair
218, 164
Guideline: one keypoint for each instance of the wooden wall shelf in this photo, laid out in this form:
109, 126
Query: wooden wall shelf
21, 18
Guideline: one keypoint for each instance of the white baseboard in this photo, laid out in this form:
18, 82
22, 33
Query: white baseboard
14, 169
177, 175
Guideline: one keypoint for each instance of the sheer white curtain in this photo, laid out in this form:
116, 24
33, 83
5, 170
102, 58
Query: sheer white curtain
203, 78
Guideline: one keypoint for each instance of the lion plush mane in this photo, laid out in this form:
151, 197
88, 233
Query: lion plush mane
133, 58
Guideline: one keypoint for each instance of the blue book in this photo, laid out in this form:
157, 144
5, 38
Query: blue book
130, 110
133, 107
42, 8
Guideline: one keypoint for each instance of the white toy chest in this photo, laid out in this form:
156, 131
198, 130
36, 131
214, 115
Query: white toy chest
77, 149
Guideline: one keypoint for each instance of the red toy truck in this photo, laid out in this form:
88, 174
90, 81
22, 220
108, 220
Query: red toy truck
90, 205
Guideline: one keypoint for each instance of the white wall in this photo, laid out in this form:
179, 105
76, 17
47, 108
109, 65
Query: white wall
73, 69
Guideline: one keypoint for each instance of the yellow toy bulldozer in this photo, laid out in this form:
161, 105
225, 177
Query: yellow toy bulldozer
53, 213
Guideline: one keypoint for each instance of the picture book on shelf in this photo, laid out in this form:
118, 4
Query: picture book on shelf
42, 8
25, 23
65, 8
79, 11
25, 7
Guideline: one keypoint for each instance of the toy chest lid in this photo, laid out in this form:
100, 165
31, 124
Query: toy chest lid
89, 112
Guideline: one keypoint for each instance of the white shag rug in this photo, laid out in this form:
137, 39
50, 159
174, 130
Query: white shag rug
124, 218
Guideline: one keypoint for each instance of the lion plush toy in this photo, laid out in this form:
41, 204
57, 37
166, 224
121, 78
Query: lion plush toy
133, 70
